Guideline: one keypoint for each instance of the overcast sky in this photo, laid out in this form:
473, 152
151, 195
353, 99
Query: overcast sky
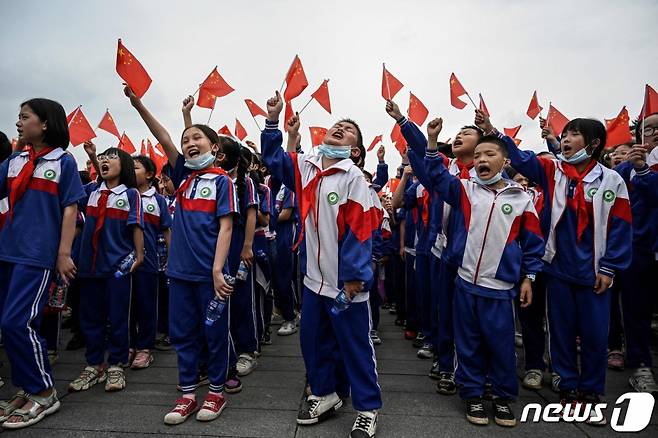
588, 57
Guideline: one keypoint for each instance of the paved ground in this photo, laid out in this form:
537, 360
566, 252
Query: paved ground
268, 405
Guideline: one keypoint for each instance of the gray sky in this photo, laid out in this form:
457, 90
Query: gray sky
588, 57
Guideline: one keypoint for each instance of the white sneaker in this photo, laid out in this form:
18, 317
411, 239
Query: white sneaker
287, 328
277, 319
555, 382
642, 380
365, 425
246, 364
318, 408
533, 379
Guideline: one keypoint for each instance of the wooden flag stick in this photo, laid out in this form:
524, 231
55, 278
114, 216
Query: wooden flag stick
286, 77
197, 90
388, 88
256, 122
211, 110
469, 98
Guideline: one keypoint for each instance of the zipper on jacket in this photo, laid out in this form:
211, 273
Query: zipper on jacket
317, 233
484, 240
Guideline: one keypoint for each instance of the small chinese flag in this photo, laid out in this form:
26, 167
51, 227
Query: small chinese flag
157, 155
254, 109
456, 91
206, 99
317, 135
392, 185
225, 131
295, 80
417, 112
512, 132
142, 149
618, 130
126, 145
398, 139
534, 108
650, 105
375, 142
390, 85
107, 124
556, 120
131, 71
70, 116
79, 128
322, 96
240, 132
215, 84
483, 106
287, 115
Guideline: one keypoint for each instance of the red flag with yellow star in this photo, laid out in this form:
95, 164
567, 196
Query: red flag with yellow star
650, 105
512, 132
317, 135
126, 145
483, 106
398, 139
295, 80
417, 112
216, 85
157, 155
79, 128
225, 131
321, 95
254, 109
240, 132
131, 71
456, 91
375, 142
556, 120
534, 108
70, 116
206, 99
107, 124
618, 130
390, 85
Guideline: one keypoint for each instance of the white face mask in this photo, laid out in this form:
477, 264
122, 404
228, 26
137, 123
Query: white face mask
576, 158
493, 180
335, 152
201, 161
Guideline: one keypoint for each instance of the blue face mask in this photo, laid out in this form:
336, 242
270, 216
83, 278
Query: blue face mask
493, 180
200, 161
576, 158
335, 152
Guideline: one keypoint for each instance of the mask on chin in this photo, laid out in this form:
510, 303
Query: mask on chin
488, 182
576, 158
200, 161
335, 152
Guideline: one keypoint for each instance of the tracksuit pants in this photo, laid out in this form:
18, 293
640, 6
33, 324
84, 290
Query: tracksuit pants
23, 295
188, 302
435, 284
423, 294
445, 294
144, 310
532, 326
243, 316
484, 339
576, 310
410, 291
284, 288
338, 352
103, 301
163, 303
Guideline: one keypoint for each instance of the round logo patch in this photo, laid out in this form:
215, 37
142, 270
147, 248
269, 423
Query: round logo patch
121, 203
205, 192
591, 192
150, 208
333, 198
506, 208
609, 196
50, 174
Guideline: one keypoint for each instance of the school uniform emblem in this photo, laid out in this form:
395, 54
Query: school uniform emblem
609, 196
50, 174
333, 198
205, 192
591, 192
121, 203
150, 208
507, 208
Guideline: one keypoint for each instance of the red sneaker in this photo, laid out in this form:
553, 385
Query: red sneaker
184, 408
410, 335
213, 405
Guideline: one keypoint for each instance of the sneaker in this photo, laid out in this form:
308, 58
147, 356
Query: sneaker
642, 380
385, 306
555, 382
143, 359
374, 337
266, 339
116, 380
503, 415
533, 379
88, 378
435, 371
589, 401
287, 328
277, 319
393, 310
365, 425
426, 351
410, 334
233, 384
183, 409
475, 412
616, 360
318, 408
399, 322
446, 384
76, 342
518, 340
164, 344
246, 364
419, 341
569, 398
212, 407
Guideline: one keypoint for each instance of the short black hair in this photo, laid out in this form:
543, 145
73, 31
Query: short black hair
475, 128
590, 129
84, 176
359, 135
127, 174
5, 147
446, 149
495, 140
149, 166
52, 113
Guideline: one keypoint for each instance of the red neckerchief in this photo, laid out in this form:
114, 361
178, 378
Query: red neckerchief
579, 194
464, 169
309, 198
427, 198
100, 220
183, 187
19, 184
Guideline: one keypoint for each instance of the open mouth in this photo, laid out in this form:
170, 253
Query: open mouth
20, 133
105, 168
457, 142
566, 149
337, 135
483, 170
193, 152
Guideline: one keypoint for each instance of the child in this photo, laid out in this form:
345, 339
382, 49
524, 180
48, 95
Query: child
111, 235
39, 188
497, 231
206, 204
336, 256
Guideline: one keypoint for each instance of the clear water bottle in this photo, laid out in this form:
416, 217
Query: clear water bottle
216, 305
243, 272
161, 250
57, 299
125, 265
341, 303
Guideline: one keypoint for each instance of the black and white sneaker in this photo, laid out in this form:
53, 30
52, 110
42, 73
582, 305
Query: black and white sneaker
589, 401
503, 415
365, 425
475, 412
435, 372
446, 384
393, 310
318, 408
426, 351
374, 337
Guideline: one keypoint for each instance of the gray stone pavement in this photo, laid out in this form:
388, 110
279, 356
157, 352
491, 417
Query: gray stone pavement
268, 404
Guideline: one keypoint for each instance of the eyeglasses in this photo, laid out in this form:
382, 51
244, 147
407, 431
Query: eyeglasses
108, 157
648, 131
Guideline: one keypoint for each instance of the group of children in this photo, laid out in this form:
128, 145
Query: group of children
475, 232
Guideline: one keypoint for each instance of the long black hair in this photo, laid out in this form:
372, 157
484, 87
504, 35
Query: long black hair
5, 147
149, 166
243, 169
127, 174
52, 113
590, 129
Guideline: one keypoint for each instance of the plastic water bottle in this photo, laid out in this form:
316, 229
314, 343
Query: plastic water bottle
341, 303
216, 305
161, 250
125, 265
243, 272
57, 299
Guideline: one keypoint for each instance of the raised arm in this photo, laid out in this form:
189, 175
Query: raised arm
381, 177
398, 195
188, 104
280, 164
294, 139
